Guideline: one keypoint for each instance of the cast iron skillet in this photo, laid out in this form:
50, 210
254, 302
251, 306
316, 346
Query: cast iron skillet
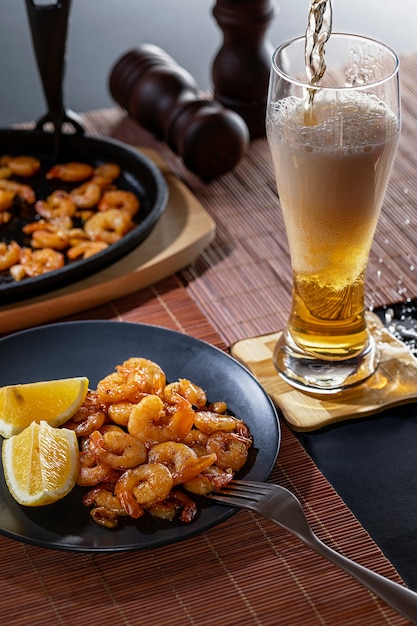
51, 142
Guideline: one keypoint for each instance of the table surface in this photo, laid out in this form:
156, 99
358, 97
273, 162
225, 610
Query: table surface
248, 570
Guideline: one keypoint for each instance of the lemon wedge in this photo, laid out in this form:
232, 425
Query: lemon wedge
40, 464
53, 401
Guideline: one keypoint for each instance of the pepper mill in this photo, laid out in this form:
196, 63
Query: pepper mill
163, 97
240, 70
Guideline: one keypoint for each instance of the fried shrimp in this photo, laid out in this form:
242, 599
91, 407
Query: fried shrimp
121, 200
230, 449
106, 506
5, 172
152, 421
25, 192
24, 166
176, 501
210, 422
87, 195
182, 462
196, 440
6, 199
70, 172
93, 472
89, 417
188, 390
119, 412
100, 212
9, 255
117, 448
142, 486
187, 506
86, 249
153, 376
106, 173
118, 387
47, 235
145, 445
109, 226
58, 204
213, 478
36, 262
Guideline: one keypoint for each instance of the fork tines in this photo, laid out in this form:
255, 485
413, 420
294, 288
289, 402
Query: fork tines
248, 486
241, 490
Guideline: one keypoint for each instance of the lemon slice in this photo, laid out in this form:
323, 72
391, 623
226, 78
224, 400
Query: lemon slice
53, 401
40, 464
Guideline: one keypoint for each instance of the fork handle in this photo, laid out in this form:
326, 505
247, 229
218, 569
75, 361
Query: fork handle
400, 598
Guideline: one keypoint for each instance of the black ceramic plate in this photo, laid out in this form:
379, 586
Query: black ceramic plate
139, 175
93, 348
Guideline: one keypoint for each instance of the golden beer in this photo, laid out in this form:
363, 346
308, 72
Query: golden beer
332, 157
331, 198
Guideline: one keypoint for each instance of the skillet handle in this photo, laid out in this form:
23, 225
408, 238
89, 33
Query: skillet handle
49, 27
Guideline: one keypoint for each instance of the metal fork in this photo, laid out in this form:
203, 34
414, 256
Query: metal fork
282, 507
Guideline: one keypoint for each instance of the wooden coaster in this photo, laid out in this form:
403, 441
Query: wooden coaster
394, 382
183, 231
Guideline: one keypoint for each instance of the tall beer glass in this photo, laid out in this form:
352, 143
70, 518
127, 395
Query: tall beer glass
333, 146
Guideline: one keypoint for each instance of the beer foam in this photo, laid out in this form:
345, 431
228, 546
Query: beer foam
356, 124
331, 179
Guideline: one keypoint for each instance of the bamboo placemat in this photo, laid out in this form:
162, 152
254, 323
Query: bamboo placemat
245, 571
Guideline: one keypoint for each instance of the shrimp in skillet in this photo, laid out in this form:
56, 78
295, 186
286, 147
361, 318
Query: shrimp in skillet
119, 199
86, 249
109, 226
58, 204
36, 262
24, 166
86, 196
72, 172
47, 235
6, 199
25, 192
106, 173
9, 255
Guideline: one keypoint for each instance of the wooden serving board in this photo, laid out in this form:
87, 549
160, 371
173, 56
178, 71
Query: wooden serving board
394, 382
183, 231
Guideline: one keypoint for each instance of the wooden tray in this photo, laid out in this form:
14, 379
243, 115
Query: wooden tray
183, 231
394, 382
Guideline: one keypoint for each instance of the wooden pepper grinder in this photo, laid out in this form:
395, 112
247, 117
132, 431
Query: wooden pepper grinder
163, 98
240, 70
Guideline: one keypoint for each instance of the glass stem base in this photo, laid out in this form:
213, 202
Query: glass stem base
308, 373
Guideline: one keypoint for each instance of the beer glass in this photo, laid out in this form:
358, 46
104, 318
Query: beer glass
332, 145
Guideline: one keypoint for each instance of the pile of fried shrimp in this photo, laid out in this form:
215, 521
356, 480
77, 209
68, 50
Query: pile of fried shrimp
72, 223
147, 445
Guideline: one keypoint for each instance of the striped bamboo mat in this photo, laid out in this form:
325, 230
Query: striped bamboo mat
245, 571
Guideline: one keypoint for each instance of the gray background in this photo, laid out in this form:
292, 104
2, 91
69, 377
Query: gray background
101, 31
